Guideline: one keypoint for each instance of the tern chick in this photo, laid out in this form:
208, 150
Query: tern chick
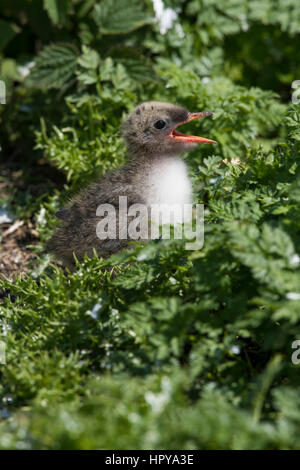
153, 174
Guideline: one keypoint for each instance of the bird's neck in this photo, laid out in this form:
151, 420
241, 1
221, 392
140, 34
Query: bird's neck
150, 158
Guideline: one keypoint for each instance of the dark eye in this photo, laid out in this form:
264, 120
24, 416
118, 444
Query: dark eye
159, 124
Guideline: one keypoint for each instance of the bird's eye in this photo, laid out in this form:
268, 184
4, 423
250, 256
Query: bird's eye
159, 124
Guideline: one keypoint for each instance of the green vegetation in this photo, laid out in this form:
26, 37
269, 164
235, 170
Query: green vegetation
157, 347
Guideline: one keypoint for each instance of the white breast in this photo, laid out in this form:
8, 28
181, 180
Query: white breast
169, 185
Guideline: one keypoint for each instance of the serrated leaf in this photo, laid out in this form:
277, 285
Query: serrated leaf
137, 66
89, 59
120, 16
54, 66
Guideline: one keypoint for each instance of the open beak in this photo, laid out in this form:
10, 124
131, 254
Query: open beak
191, 138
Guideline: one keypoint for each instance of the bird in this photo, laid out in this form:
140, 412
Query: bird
154, 173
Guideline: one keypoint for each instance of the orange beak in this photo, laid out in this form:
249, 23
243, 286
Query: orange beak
191, 138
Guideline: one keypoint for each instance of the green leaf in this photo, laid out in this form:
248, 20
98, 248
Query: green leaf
137, 66
57, 10
54, 66
7, 32
89, 59
120, 16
